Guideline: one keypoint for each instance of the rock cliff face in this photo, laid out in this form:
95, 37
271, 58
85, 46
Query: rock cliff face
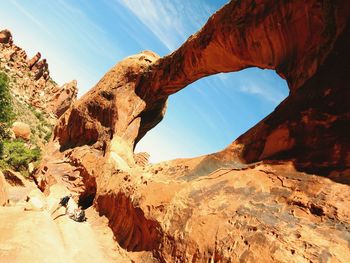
33, 82
260, 199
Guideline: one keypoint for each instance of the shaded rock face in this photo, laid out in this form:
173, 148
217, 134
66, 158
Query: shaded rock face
135, 232
309, 126
260, 199
33, 82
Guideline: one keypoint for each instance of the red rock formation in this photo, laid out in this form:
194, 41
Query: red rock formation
111, 109
21, 130
270, 34
259, 34
62, 98
226, 206
135, 232
33, 83
5, 37
34, 60
142, 158
18, 56
280, 35
40, 69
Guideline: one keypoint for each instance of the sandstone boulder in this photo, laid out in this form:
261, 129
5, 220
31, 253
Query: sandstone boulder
31, 168
21, 130
40, 69
5, 37
34, 60
35, 201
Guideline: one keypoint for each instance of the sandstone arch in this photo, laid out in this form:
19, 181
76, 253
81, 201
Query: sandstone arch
293, 38
307, 43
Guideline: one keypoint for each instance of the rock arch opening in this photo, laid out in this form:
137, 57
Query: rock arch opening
210, 113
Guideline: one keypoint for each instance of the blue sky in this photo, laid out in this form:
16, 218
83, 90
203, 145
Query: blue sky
83, 39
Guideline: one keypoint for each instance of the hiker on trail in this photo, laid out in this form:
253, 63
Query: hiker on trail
72, 210
63, 202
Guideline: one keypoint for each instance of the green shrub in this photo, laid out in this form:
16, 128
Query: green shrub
4, 132
6, 110
39, 116
17, 155
48, 136
3, 135
1, 149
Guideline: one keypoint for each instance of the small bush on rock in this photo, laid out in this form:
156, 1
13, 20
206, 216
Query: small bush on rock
6, 110
17, 155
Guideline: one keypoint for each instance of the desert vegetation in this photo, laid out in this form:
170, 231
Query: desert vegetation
16, 153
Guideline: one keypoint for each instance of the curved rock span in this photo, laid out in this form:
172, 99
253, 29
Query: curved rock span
260, 199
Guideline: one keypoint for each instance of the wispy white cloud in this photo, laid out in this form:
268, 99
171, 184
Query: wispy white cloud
31, 17
204, 117
268, 93
263, 83
207, 99
84, 29
171, 21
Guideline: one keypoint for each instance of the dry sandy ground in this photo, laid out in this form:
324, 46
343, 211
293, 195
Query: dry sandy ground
33, 236
38, 236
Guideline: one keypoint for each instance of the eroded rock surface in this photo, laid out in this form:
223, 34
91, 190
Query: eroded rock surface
266, 196
266, 212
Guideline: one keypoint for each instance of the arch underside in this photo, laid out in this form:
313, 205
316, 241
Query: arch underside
298, 40
305, 42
